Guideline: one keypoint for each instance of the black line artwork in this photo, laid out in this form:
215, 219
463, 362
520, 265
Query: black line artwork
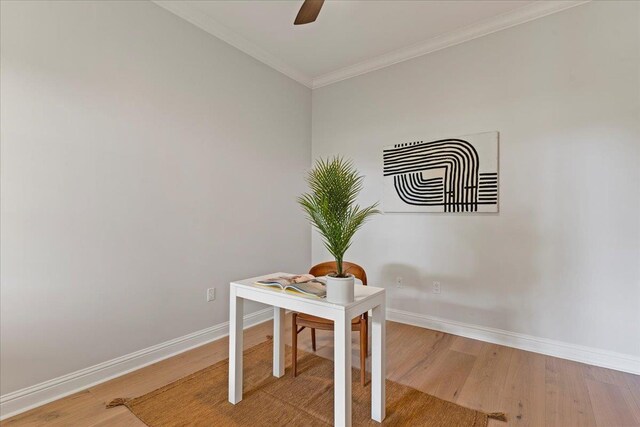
444, 175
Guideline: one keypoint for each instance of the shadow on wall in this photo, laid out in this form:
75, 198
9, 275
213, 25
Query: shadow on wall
497, 280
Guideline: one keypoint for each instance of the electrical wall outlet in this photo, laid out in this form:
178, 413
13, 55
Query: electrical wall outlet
399, 282
436, 287
211, 294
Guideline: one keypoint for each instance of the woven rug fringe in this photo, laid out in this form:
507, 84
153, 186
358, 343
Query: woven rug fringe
500, 416
118, 402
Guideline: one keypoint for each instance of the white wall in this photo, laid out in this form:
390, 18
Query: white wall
143, 161
562, 258
135, 149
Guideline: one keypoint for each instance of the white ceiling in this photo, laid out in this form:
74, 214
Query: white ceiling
351, 37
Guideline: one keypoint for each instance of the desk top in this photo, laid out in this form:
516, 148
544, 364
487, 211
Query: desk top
361, 293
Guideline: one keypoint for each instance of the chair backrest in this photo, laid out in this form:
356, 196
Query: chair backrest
325, 268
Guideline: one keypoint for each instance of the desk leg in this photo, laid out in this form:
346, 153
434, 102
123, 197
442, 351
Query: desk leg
378, 371
278, 341
369, 333
236, 308
342, 372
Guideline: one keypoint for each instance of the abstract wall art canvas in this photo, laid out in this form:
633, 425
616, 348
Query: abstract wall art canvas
452, 175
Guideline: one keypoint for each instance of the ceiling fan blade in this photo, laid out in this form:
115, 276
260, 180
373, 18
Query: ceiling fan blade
308, 12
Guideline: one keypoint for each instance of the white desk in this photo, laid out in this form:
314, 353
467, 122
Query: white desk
366, 298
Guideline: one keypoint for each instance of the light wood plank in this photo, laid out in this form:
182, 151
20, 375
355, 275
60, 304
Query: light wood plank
418, 350
77, 409
122, 418
603, 375
612, 405
633, 382
472, 373
487, 378
446, 376
523, 396
567, 397
467, 345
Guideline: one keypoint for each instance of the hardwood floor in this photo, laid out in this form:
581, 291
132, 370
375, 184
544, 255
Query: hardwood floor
534, 390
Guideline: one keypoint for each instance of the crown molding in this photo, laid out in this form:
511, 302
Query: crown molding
203, 21
497, 23
519, 16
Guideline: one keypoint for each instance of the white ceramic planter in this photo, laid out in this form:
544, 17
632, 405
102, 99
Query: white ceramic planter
340, 289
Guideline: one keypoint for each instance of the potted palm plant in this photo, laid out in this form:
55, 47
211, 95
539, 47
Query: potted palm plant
331, 208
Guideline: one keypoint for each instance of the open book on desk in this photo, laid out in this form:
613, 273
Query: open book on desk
305, 284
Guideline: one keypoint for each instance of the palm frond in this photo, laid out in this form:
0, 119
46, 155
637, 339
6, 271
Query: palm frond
331, 207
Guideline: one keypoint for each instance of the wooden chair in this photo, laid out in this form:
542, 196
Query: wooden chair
301, 320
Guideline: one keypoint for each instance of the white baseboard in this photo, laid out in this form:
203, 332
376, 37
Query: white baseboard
30, 397
22, 400
563, 350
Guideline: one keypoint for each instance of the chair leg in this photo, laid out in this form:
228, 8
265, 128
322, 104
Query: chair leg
294, 344
313, 339
363, 351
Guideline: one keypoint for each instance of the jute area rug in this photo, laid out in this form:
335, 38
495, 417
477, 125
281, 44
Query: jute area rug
200, 399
